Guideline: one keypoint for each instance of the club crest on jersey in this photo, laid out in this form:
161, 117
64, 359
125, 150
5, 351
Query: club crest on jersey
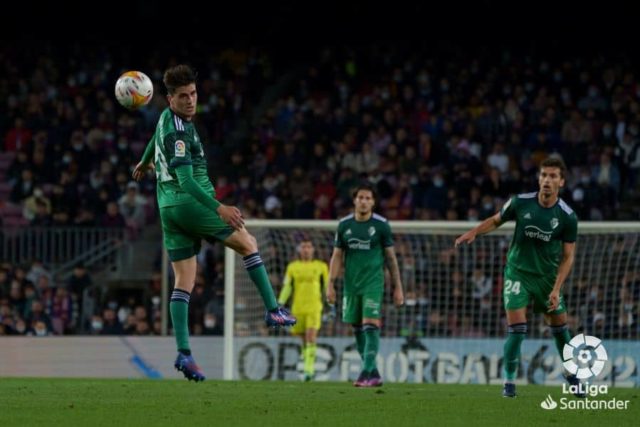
181, 149
348, 232
372, 231
554, 223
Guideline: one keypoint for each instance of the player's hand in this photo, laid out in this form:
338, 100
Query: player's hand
331, 294
141, 170
554, 301
398, 296
232, 216
467, 238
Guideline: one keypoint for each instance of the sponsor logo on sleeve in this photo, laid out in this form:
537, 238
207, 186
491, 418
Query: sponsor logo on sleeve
181, 149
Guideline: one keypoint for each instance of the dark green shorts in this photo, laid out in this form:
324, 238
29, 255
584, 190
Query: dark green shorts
358, 307
519, 288
184, 227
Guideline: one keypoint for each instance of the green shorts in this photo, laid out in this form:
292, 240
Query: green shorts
519, 288
184, 227
358, 307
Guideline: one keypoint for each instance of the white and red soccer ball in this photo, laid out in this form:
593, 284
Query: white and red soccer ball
134, 90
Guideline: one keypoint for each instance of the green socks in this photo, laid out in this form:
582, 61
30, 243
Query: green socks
258, 274
511, 358
372, 345
360, 340
179, 308
561, 336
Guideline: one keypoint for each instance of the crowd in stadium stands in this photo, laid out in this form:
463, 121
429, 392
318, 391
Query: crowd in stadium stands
33, 303
443, 134
442, 138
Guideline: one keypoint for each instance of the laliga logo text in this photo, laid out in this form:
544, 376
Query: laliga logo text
584, 356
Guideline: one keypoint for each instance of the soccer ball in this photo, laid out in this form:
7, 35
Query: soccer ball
134, 90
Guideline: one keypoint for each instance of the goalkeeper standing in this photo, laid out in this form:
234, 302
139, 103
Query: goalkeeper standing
539, 260
189, 211
307, 279
362, 243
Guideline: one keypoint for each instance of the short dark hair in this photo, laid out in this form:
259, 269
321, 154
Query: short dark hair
366, 187
554, 162
179, 75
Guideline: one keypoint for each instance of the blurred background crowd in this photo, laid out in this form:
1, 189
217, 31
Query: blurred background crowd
444, 132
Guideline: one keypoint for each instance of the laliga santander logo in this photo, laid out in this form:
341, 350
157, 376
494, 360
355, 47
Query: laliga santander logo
584, 356
549, 403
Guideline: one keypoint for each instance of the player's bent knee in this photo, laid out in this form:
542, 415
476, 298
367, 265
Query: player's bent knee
253, 243
249, 244
245, 244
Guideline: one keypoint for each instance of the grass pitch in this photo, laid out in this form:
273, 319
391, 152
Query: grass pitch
120, 403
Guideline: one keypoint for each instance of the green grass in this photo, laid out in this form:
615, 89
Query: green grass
120, 403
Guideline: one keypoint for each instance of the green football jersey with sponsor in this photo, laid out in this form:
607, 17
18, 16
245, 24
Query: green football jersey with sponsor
540, 232
177, 143
363, 243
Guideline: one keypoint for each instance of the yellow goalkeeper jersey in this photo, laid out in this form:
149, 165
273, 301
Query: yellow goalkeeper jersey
307, 280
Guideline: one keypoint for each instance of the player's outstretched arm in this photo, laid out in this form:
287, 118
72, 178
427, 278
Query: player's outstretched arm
335, 267
486, 226
392, 264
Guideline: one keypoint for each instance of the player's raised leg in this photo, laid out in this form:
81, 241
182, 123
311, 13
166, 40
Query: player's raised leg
517, 330
185, 274
246, 245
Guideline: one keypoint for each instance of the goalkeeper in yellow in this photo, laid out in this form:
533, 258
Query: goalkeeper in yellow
306, 278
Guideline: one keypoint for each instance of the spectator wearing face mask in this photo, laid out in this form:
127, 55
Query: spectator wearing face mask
30, 207
110, 323
435, 196
211, 325
20, 327
97, 325
39, 329
132, 207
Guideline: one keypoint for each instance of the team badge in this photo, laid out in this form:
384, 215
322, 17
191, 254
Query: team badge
181, 149
372, 231
554, 223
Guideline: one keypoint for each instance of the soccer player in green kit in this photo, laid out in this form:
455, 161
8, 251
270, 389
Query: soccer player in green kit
189, 211
539, 260
363, 242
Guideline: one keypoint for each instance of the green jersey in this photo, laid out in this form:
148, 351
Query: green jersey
177, 143
363, 243
537, 241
